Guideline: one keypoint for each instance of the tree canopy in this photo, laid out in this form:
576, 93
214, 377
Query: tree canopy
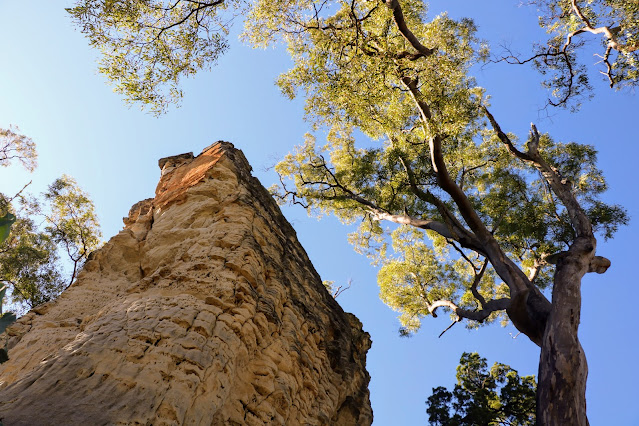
440, 159
613, 25
498, 396
49, 232
148, 46
18, 147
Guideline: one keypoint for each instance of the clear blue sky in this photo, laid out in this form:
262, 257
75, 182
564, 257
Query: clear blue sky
49, 87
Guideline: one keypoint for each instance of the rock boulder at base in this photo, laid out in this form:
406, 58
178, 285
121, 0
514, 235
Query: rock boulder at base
203, 310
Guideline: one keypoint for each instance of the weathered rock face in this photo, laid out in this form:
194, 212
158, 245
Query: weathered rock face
204, 310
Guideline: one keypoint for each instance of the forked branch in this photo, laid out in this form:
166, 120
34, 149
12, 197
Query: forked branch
560, 186
608, 32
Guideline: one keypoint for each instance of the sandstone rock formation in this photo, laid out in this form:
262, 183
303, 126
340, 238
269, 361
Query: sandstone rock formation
204, 310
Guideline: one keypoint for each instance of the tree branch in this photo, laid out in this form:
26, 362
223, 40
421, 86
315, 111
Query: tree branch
185, 18
560, 186
456, 229
473, 288
467, 239
552, 52
479, 316
458, 319
535, 271
609, 33
398, 17
526, 297
294, 195
17, 288
19, 192
598, 264
433, 225
503, 137
439, 166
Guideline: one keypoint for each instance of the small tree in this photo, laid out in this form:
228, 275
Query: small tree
498, 396
71, 221
30, 262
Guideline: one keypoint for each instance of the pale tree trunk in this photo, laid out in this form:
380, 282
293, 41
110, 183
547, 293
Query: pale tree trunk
561, 391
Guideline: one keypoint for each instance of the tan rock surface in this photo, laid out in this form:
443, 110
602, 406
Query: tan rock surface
204, 310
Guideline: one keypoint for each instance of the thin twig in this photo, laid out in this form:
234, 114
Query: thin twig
450, 326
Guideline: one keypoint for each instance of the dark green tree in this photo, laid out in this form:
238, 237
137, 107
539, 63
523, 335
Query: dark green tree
483, 397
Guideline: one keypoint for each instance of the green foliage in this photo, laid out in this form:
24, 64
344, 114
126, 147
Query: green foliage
352, 78
30, 262
498, 396
5, 226
72, 223
365, 72
613, 23
16, 146
30, 259
6, 318
418, 275
13, 146
147, 46
356, 71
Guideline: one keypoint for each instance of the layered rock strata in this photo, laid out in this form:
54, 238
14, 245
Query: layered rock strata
203, 310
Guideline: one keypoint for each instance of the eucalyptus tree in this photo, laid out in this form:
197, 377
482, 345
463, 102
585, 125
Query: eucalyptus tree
482, 224
52, 237
485, 223
48, 232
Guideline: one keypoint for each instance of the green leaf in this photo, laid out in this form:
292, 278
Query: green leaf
5, 225
6, 320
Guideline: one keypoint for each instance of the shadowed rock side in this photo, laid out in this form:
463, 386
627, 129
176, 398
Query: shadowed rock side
204, 310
